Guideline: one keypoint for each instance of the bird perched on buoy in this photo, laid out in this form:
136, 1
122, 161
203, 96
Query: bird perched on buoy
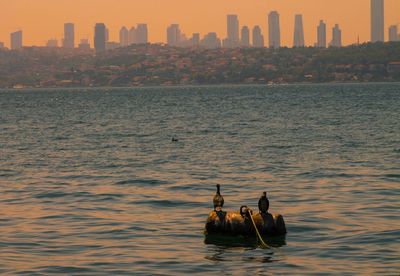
218, 199
263, 203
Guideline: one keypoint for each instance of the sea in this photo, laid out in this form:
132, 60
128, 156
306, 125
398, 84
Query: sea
91, 182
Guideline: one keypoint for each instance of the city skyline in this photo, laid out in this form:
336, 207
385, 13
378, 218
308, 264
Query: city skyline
85, 15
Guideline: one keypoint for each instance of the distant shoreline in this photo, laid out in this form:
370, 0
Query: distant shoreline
164, 66
198, 86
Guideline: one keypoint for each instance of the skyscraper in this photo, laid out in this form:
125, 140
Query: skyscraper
173, 35
393, 35
16, 40
196, 39
100, 37
321, 35
298, 31
69, 36
377, 21
336, 36
107, 35
232, 39
274, 30
132, 36
245, 37
1, 45
258, 38
123, 37
141, 34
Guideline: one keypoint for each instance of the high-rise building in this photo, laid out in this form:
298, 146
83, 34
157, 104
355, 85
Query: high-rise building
321, 34
100, 37
298, 31
245, 37
141, 34
69, 36
393, 33
1, 45
211, 41
232, 39
132, 36
16, 40
173, 35
196, 39
258, 38
336, 36
124, 37
107, 36
274, 30
377, 21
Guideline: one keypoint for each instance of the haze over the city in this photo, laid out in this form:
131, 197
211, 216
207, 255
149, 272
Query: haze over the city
44, 19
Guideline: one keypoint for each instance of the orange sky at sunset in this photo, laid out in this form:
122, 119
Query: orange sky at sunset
43, 19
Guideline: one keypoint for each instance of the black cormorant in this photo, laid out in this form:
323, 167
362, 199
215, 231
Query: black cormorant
263, 203
218, 199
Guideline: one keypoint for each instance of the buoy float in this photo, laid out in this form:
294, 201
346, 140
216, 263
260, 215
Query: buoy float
240, 222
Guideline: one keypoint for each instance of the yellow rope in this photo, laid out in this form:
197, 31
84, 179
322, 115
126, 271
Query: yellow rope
263, 244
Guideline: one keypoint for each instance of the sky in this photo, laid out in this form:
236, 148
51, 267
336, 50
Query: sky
41, 20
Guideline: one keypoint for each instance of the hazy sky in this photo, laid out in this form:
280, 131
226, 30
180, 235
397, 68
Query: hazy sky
43, 19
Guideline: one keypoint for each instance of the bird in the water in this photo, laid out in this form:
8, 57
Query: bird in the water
263, 203
218, 199
174, 139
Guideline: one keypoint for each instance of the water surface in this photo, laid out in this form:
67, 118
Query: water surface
91, 184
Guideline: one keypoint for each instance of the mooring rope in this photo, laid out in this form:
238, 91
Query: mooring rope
263, 244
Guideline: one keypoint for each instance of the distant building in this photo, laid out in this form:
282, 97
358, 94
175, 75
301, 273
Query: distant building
100, 37
232, 39
132, 35
69, 36
377, 21
111, 45
2, 45
321, 34
52, 43
211, 41
107, 35
141, 34
16, 40
84, 44
173, 35
196, 39
336, 36
298, 40
124, 37
274, 30
393, 33
258, 38
245, 37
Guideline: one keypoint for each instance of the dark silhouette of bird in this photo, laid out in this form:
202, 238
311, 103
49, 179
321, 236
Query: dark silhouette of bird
218, 199
263, 203
174, 139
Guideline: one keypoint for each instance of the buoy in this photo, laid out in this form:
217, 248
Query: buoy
239, 223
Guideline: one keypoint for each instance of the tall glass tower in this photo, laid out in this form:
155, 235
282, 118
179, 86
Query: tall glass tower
69, 36
100, 37
377, 21
298, 31
274, 30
